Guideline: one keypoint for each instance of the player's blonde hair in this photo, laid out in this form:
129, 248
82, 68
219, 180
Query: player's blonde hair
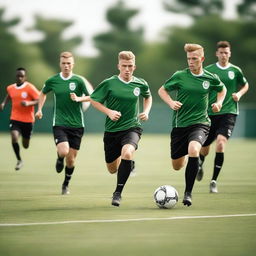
194, 47
126, 55
66, 55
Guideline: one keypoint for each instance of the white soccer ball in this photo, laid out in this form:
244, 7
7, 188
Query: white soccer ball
166, 196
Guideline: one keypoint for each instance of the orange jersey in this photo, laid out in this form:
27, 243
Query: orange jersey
25, 92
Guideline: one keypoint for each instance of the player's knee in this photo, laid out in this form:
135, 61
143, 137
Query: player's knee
112, 170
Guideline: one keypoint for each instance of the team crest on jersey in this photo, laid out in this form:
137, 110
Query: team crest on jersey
24, 95
72, 86
231, 75
206, 84
136, 91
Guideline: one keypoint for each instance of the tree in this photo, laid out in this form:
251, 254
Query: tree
120, 37
247, 9
195, 8
54, 43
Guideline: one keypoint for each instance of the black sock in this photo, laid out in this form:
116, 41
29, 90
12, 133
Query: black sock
218, 162
16, 149
191, 172
68, 175
201, 159
123, 174
60, 158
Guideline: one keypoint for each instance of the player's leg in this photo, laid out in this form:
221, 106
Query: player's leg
62, 146
196, 138
15, 131
129, 140
226, 126
26, 132
69, 169
113, 166
74, 141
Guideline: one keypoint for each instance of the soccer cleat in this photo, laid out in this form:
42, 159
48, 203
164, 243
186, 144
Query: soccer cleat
200, 172
59, 165
187, 200
65, 190
213, 187
116, 199
18, 165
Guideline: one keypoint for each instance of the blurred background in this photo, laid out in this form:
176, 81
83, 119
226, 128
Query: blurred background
33, 33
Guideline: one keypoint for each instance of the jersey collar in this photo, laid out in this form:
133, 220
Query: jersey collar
21, 86
196, 74
125, 81
66, 78
219, 66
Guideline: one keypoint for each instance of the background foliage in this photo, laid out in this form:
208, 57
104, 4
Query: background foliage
156, 61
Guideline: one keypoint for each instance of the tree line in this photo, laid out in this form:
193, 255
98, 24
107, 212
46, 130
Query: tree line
156, 61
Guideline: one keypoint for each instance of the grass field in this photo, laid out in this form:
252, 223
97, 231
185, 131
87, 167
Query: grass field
84, 222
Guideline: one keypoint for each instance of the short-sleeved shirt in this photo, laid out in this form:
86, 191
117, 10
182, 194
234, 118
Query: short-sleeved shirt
67, 112
24, 92
122, 96
232, 76
192, 91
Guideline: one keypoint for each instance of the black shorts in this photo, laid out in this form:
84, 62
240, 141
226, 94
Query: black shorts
114, 141
221, 124
72, 135
25, 129
182, 136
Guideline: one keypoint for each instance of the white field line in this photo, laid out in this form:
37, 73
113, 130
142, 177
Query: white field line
124, 220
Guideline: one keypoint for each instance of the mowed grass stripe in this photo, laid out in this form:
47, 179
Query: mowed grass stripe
125, 220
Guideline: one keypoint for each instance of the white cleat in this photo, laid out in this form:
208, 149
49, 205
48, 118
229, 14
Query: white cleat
18, 165
65, 190
213, 187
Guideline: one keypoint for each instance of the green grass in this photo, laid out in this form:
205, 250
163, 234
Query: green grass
32, 195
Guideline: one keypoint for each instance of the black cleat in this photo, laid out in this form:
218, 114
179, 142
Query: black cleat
187, 200
200, 172
116, 199
59, 165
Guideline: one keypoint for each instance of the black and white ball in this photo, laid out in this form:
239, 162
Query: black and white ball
166, 196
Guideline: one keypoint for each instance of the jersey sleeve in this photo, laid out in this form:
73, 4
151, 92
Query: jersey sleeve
216, 83
47, 87
172, 83
33, 92
240, 78
145, 91
87, 88
100, 94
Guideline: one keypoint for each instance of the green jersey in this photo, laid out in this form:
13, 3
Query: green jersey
192, 91
67, 112
121, 96
232, 77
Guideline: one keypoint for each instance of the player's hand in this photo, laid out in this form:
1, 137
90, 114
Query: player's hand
216, 107
74, 97
1, 106
39, 114
143, 116
236, 96
114, 115
24, 103
176, 105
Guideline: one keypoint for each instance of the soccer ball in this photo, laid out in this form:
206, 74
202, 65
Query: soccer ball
166, 197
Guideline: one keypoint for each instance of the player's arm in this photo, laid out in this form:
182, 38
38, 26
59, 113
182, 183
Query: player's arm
112, 114
147, 104
41, 101
237, 95
5, 101
29, 103
76, 98
216, 106
164, 95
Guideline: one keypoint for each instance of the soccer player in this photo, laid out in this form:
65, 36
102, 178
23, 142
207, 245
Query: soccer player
222, 122
190, 122
23, 96
68, 120
118, 98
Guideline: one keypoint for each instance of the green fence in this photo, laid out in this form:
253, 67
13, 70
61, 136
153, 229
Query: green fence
160, 121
